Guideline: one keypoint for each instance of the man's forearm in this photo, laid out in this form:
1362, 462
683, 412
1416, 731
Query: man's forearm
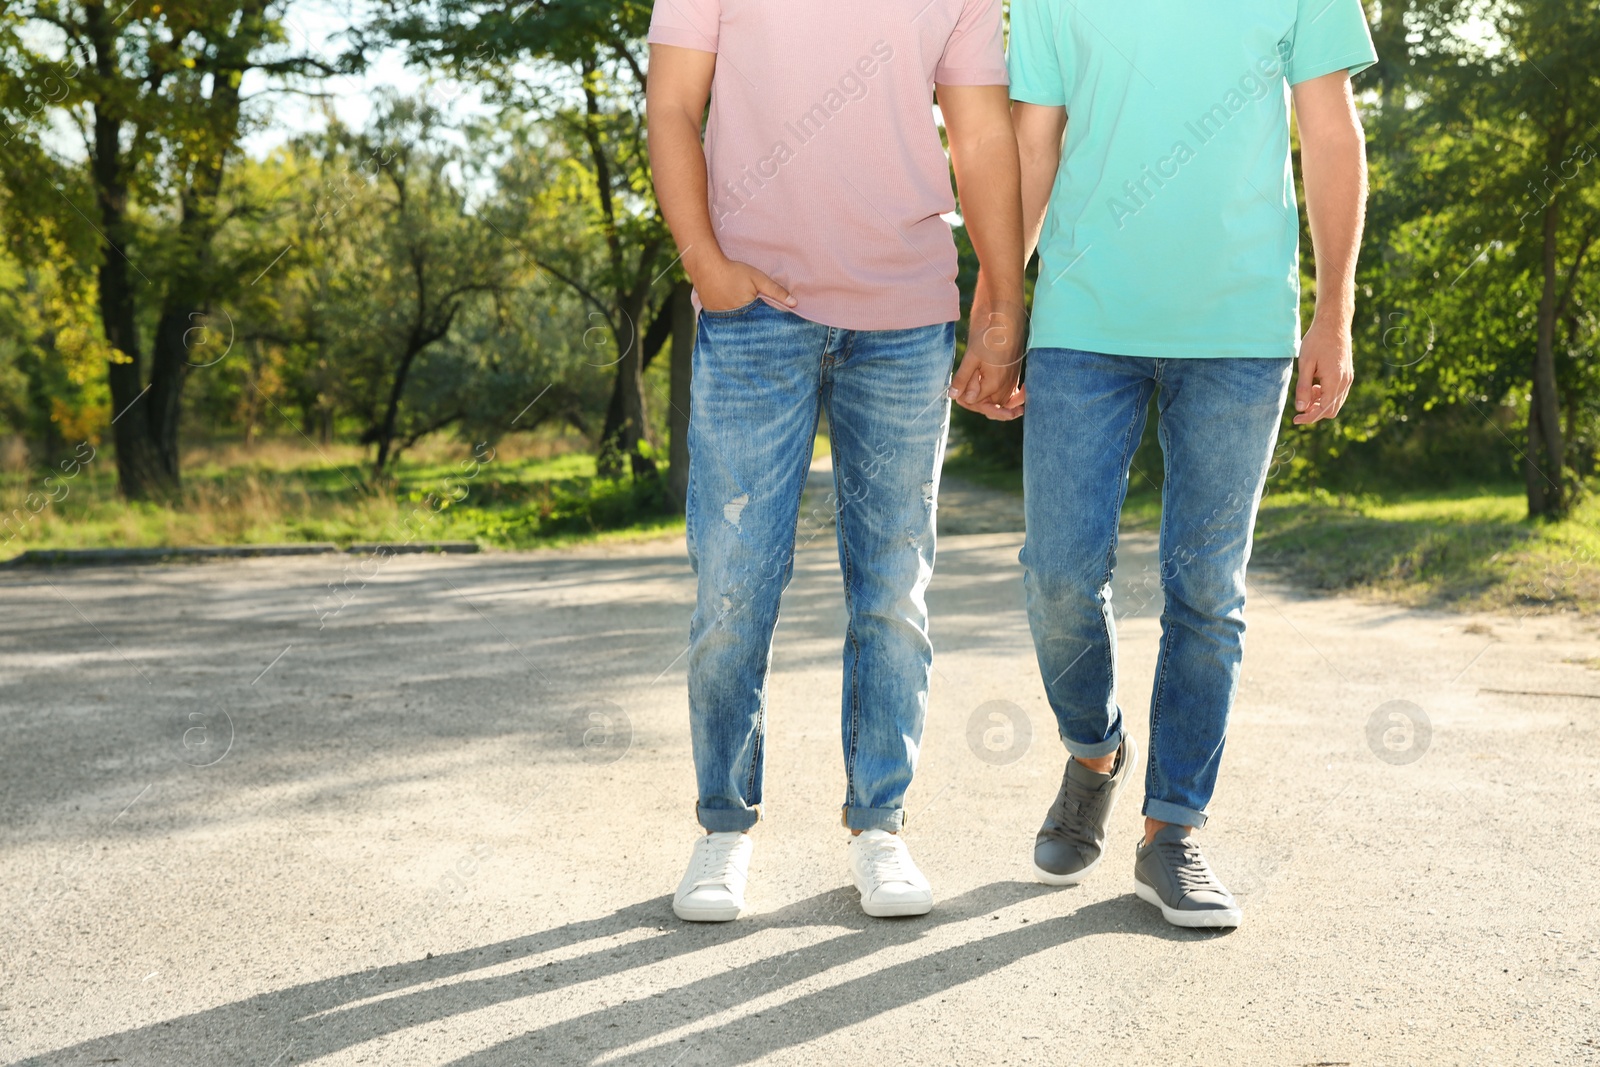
678, 165
987, 176
1334, 167
983, 152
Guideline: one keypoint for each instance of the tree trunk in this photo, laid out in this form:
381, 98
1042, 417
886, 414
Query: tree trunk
181, 332
139, 470
1533, 477
626, 426
608, 457
1546, 449
140, 474
146, 417
169, 369
391, 413
683, 335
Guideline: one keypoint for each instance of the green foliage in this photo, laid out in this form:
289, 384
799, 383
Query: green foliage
588, 93
393, 266
52, 353
1479, 149
118, 130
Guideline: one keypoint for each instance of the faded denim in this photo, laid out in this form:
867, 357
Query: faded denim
1218, 427
762, 375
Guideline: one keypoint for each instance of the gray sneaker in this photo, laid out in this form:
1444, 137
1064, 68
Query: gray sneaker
1072, 840
1171, 873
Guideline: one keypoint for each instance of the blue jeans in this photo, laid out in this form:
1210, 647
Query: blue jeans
761, 376
1218, 427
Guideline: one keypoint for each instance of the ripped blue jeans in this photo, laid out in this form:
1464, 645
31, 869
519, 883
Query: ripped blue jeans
761, 377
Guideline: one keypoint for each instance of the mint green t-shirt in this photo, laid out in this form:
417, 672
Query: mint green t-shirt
1172, 229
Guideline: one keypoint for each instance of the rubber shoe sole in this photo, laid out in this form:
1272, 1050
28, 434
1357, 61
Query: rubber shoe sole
898, 909
688, 912
1218, 918
1067, 879
1111, 810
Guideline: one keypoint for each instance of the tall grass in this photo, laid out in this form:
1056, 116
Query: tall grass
280, 491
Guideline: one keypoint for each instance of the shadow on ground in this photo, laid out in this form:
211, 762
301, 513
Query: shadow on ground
321, 1018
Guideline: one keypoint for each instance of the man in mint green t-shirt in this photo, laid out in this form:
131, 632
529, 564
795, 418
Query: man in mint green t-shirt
1169, 267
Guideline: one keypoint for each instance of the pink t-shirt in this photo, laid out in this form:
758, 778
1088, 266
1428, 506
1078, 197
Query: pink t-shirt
825, 165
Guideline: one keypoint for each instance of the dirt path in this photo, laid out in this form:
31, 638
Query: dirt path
440, 825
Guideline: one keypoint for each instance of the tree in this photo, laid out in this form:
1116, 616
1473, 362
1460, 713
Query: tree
154, 94
1491, 216
405, 306
588, 54
418, 260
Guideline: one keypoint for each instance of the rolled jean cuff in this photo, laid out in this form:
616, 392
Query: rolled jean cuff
890, 819
1099, 748
727, 820
1177, 814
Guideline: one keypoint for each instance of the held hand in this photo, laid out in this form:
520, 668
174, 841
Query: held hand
728, 284
1327, 371
986, 381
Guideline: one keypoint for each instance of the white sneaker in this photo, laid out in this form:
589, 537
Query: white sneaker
889, 881
712, 890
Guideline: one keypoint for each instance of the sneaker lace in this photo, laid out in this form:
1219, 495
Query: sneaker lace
887, 861
716, 865
1073, 810
1188, 866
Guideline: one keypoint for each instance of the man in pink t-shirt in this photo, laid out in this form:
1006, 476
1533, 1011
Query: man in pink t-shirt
812, 221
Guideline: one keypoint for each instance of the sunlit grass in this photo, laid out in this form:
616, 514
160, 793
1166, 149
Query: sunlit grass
290, 492
1465, 548
1468, 548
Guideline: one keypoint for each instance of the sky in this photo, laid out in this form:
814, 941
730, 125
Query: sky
315, 27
